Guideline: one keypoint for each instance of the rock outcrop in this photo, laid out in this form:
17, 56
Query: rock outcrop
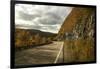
78, 33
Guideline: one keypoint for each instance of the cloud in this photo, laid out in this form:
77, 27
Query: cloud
28, 26
26, 16
41, 17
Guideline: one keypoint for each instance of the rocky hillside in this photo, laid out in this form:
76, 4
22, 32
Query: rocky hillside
79, 21
78, 33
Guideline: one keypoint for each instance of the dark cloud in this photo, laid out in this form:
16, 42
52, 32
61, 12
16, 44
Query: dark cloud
26, 16
54, 15
48, 21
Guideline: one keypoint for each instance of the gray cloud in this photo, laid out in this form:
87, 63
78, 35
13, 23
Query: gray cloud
26, 16
29, 26
41, 17
53, 15
48, 21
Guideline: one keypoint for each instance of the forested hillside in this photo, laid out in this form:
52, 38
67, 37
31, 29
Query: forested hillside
31, 37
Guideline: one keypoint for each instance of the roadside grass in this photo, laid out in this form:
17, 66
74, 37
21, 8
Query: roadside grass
81, 50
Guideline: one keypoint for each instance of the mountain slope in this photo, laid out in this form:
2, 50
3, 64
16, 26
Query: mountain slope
78, 33
31, 37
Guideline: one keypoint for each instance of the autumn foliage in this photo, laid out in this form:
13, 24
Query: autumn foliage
30, 38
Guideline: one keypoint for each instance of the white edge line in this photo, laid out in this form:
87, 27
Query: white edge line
58, 53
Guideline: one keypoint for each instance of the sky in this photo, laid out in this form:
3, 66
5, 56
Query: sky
41, 17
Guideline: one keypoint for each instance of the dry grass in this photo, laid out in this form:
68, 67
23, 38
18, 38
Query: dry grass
80, 50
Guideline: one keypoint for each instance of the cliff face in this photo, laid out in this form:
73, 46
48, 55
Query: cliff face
79, 21
78, 31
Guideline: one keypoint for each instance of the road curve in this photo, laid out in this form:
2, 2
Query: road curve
46, 54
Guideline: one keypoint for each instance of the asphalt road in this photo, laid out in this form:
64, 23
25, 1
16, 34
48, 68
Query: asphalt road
46, 54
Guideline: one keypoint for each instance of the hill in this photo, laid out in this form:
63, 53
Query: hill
78, 33
32, 37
